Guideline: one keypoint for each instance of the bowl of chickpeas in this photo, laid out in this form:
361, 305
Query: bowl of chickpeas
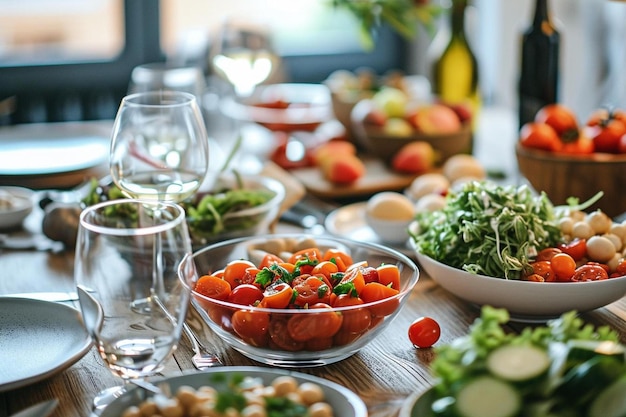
242, 390
297, 300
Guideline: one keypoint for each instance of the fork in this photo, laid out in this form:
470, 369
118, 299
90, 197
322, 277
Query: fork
202, 359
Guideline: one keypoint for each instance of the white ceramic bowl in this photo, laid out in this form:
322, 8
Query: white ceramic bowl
344, 402
525, 301
262, 347
393, 232
18, 205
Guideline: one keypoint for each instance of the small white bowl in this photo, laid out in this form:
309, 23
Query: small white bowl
525, 300
15, 204
389, 231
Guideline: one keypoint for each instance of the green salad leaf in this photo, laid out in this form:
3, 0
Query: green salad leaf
488, 229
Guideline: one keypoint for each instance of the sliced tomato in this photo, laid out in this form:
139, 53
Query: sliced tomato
374, 292
577, 249
235, 271
277, 295
213, 287
270, 259
389, 275
312, 290
589, 272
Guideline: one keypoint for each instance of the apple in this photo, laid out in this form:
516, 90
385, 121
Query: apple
342, 168
375, 117
435, 119
414, 158
391, 101
396, 126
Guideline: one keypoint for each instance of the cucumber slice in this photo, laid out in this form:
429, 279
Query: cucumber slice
518, 363
488, 397
611, 402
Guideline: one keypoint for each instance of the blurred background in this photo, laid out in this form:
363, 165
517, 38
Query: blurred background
68, 60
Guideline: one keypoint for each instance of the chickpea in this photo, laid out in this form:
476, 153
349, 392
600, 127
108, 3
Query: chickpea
615, 261
619, 229
615, 239
132, 411
186, 396
310, 393
254, 410
320, 410
284, 385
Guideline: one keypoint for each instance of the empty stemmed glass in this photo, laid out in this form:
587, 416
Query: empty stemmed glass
116, 263
243, 54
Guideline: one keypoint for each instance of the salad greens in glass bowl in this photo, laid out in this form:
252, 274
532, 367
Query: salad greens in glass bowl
234, 206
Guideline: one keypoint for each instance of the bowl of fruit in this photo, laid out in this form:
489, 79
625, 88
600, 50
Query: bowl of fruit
389, 121
283, 107
299, 300
507, 247
558, 154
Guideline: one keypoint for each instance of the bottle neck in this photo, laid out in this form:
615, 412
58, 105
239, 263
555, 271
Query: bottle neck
458, 18
542, 14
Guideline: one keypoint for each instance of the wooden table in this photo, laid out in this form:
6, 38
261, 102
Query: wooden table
383, 373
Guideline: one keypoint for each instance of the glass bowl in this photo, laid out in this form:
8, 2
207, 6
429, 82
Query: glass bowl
269, 344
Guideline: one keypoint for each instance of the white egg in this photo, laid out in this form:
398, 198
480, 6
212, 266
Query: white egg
431, 183
463, 165
390, 205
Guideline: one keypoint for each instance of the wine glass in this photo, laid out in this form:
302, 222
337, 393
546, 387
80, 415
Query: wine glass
243, 54
119, 260
159, 146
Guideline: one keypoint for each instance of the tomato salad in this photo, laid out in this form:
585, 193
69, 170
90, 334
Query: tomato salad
351, 297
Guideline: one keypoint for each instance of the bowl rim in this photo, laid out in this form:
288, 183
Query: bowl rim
23, 194
596, 158
318, 110
404, 291
518, 281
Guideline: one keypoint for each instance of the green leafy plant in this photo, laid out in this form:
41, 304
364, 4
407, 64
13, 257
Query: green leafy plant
403, 16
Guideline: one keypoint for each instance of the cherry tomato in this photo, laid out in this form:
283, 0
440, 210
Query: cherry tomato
270, 259
620, 270
577, 248
424, 332
245, 294
235, 270
303, 327
547, 254
252, 326
339, 257
277, 295
539, 136
354, 277
382, 297
607, 129
325, 268
561, 119
213, 287
544, 269
370, 274
589, 272
313, 290
563, 266
280, 337
354, 320
582, 146
389, 274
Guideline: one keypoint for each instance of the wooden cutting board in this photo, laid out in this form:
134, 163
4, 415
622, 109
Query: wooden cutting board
378, 177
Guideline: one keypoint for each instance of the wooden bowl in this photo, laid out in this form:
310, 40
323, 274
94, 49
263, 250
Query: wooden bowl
374, 140
564, 176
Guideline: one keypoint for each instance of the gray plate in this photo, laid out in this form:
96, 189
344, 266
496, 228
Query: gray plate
37, 340
344, 402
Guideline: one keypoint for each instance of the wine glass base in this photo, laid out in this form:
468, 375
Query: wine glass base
106, 397
141, 306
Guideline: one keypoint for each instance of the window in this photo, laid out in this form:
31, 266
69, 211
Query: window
73, 61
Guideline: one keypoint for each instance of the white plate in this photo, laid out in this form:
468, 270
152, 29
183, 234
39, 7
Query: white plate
344, 402
349, 222
37, 340
21, 206
52, 149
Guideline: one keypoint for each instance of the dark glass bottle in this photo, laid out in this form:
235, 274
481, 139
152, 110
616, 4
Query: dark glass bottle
539, 73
